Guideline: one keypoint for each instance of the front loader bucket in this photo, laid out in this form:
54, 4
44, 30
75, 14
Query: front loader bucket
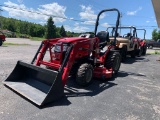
37, 84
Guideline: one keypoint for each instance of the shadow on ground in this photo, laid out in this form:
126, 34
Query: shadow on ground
74, 90
130, 60
97, 86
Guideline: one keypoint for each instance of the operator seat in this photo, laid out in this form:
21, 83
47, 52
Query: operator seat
103, 38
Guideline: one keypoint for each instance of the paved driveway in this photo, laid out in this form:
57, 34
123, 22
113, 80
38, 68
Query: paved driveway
134, 94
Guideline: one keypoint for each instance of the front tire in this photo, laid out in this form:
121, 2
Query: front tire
124, 53
113, 61
84, 74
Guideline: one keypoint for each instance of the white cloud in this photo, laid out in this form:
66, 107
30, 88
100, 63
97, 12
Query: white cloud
134, 12
89, 22
68, 28
147, 21
71, 18
105, 25
76, 28
21, 11
88, 14
42, 23
79, 28
20, 1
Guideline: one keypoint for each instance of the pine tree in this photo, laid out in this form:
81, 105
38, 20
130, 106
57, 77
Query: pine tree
51, 31
62, 32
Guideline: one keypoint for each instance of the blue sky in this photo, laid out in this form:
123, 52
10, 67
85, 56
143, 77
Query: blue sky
81, 14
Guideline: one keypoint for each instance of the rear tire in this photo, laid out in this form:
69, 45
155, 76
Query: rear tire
113, 61
84, 74
140, 51
144, 50
133, 53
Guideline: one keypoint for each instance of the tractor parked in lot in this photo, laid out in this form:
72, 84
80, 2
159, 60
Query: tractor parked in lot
79, 57
2, 38
128, 44
142, 44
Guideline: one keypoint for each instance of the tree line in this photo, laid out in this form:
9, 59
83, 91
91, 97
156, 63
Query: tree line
49, 30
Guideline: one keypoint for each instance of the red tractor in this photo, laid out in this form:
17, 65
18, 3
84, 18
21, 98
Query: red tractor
80, 57
142, 44
2, 38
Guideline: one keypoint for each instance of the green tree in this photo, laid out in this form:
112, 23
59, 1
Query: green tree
51, 31
62, 32
31, 31
155, 34
158, 35
58, 35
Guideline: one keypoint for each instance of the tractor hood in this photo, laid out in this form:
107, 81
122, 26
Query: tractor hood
72, 39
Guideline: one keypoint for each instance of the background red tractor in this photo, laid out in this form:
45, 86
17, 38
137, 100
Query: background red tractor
142, 43
80, 57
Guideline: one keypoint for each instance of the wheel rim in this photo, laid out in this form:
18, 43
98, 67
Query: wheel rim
89, 75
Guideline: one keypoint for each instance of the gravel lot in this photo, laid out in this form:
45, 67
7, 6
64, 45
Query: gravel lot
134, 94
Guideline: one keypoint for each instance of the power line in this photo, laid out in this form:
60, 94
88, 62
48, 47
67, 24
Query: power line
42, 13
65, 17
50, 15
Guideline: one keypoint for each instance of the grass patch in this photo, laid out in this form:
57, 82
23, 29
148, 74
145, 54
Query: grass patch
157, 52
154, 53
14, 44
37, 38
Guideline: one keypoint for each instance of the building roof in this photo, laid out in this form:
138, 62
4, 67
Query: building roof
156, 7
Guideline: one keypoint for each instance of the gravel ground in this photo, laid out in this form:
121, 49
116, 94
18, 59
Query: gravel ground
22, 41
134, 94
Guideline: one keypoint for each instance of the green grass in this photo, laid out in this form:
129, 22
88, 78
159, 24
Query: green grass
157, 52
154, 53
37, 38
14, 44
